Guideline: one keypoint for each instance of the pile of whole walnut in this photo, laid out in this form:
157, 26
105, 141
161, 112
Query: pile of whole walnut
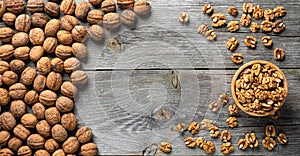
37, 105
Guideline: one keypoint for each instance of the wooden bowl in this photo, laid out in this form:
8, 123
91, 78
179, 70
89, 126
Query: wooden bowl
233, 88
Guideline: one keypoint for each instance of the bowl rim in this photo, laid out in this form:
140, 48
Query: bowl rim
237, 73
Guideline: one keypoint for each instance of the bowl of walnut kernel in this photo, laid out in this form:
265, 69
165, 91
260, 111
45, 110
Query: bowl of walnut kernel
259, 88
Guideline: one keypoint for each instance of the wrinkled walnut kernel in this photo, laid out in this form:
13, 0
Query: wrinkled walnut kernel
242, 144
200, 142
232, 44
165, 147
258, 12
190, 142
266, 26
218, 20
279, 54
233, 26
247, 8
214, 131
270, 130
202, 29
282, 138
214, 106
245, 20
251, 140
225, 136
250, 41
279, 11
211, 35
233, 11
227, 148
278, 26
254, 27
194, 127
269, 14
206, 124
184, 17
223, 99
269, 143
233, 109
232, 122
209, 147
267, 41
208, 9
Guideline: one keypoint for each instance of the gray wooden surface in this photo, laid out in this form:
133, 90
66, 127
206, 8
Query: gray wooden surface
126, 87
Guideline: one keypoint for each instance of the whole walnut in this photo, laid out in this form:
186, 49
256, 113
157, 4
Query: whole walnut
68, 89
41, 152
4, 66
17, 66
22, 53
47, 97
59, 152
28, 75
54, 81
111, 20
36, 36
38, 110
35, 141
52, 27
52, 9
6, 34
68, 7
36, 53
95, 2
128, 17
7, 121
57, 65
39, 83
18, 108
89, 149
52, 115
9, 18
15, 6
69, 121
84, 134
31, 97
79, 50
82, 10
39, 20
43, 128
51, 145
9, 78
23, 23
142, 7
35, 6
29, 120
14, 144
125, 4
50, 44
21, 132
79, 33
4, 97
64, 37
96, 33
59, 133
6, 152
20, 39
95, 16
63, 52
79, 77
17, 91
4, 138
44, 66
71, 145
108, 6
6, 51
71, 64
64, 104
24, 151
68, 22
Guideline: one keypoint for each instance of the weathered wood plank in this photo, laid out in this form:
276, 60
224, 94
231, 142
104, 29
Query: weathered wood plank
118, 106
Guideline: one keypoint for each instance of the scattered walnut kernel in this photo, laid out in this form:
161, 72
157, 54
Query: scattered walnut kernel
233, 109
242, 144
254, 27
194, 127
206, 124
237, 58
227, 148
269, 143
282, 138
232, 122
245, 20
218, 20
279, 11
208, 9
190, 142
278, 26
267, 41
223, 99
200, 142
279, 54
232, 44
270, 130
214, 106
209, 147
269, 14
181, 127
251, 140
247, 8
233, 11
233, 26
266, 25
211, 35
184, 17
165, 147
225, 136
202, 29
214, 131
276, 115
258, 12
250, 41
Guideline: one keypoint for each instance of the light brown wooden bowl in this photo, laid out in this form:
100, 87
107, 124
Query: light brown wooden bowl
285, 86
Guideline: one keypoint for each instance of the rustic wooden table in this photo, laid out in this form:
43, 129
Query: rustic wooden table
126, 87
